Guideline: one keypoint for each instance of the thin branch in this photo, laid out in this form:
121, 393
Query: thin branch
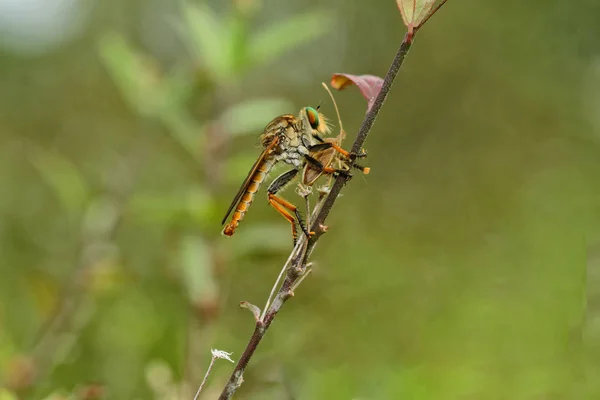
304, 275
210, 366
361, 137
366, 126
274, 288
216, 354
294, 269
300, 243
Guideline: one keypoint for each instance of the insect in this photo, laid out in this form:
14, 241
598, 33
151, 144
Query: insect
286, 138
292, 140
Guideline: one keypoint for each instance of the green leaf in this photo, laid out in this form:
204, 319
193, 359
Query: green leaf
8, 347
184, 129
179, 86
206, 39
200, 205
149, 94
414, 11
196, 267
328, 383
152, 208
267, 238
159, 377
6, 395
163, 207
136, 76
178, 89
276, 39
67, 182
101, 216
238, 43
194, 203
251, 117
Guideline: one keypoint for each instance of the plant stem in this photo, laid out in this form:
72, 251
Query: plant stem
210, 366
361, 137
216, 354
296, 263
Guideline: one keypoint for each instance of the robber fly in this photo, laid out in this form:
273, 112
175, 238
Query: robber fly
289, 139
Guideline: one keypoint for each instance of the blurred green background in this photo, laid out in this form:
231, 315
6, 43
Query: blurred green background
465, 266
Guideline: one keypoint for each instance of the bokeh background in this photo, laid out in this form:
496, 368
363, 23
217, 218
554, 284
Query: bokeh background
465, 266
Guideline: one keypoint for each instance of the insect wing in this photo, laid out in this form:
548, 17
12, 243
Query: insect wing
248, 180
312, 173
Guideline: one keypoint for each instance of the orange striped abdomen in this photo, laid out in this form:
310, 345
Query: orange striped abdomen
246, 199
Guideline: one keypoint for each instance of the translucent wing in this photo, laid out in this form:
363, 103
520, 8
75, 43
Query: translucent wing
266, 152
312, 173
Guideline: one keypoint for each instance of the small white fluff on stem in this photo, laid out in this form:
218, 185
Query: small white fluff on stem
216, 354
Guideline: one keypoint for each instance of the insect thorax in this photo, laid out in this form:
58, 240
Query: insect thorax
294, 135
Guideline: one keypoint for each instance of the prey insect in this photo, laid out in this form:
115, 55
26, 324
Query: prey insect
328, 158
292, 140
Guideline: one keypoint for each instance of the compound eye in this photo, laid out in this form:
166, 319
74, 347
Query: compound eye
313, 117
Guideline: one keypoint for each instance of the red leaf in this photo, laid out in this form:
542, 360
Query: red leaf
369, 85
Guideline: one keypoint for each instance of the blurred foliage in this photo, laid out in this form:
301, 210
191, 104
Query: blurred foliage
465, 266
222, 50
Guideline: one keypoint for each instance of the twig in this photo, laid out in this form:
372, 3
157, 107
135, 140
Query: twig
293, 269
301, 278
212, 362
275, 286
216, 354
361, 137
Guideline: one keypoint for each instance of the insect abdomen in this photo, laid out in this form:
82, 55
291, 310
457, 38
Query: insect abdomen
248, 196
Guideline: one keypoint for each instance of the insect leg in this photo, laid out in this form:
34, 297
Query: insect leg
318, 138
363, 169
328, 170
282, 180
274, 201
324, 145
281, 205
319, 147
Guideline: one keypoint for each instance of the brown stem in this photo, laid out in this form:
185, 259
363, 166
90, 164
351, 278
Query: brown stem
363, 133
236, 378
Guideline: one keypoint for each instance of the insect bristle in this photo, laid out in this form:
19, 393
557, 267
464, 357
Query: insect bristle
324, 127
